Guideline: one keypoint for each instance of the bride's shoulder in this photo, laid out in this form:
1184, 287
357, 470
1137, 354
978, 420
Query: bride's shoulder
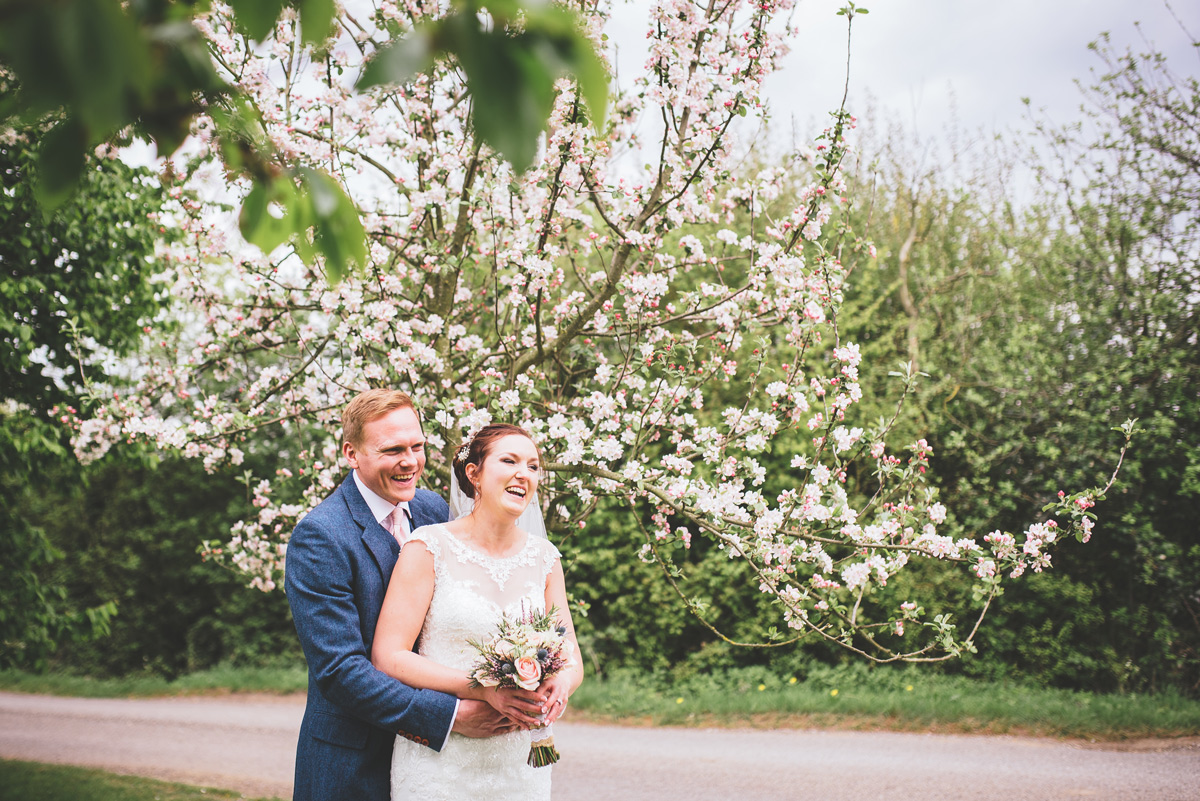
542, 546
431, 535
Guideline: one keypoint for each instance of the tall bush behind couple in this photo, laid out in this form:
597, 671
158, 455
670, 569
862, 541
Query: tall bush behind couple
454, 581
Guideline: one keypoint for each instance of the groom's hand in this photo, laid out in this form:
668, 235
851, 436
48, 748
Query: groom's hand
522, 707
480, 719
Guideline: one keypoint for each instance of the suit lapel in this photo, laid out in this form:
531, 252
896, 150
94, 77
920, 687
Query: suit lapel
383, 546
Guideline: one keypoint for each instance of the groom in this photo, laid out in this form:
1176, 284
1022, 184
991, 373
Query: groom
339, 560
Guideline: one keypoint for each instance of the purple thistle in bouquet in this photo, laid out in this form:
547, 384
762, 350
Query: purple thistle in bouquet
523, 652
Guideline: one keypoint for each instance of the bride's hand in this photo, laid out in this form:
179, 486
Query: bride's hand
523, 707
554, 691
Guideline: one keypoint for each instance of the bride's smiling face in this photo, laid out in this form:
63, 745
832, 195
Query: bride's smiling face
508, 475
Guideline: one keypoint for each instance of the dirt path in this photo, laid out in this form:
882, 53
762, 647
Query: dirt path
247, 743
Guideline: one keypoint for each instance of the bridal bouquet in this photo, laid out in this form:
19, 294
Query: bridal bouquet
522, 653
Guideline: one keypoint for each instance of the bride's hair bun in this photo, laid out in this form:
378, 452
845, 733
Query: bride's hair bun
478, 448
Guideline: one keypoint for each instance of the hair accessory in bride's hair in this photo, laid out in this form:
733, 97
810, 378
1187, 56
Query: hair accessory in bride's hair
475, 422
466, 444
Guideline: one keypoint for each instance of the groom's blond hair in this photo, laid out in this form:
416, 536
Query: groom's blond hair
371, 405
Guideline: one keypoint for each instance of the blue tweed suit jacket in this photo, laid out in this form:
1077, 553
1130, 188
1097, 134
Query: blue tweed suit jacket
339, 561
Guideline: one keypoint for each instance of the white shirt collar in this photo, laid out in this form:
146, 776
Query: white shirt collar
379, 507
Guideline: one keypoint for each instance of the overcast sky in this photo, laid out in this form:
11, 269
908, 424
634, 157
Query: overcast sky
922, 59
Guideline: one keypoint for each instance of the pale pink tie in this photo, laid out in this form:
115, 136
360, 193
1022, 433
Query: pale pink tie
390, 525
393, 525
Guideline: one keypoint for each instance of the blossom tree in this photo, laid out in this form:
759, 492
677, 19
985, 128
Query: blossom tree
662, 331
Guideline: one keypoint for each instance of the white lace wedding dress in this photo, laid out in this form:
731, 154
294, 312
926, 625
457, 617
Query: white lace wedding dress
471, 591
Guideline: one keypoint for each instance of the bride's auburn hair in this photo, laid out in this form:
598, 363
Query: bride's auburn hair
478, 449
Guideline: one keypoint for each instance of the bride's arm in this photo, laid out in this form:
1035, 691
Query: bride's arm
409, 594
566, 681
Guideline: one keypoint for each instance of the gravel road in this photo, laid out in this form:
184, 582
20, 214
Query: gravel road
247, 744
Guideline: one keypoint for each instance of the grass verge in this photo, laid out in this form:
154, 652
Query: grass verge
852, 697
27, 781
281, 681
899, 700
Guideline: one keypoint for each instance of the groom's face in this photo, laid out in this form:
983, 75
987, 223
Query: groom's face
391, 456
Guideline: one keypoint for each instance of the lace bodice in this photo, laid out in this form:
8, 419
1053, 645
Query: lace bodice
471, 591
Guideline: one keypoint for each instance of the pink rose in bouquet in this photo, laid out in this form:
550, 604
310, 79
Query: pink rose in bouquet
529, 672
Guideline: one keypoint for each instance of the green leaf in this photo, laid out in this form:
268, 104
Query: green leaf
60, 164
316, 20
319, 204
256, 18
183, 68
27, 47
109, 63
185, 57
84, 55
401, 60
338, 232
511, 89
510, 77
575, 57
256, 221
505, 11
325, 193
592, 77
240, 134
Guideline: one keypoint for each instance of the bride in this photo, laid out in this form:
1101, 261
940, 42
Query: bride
452, 584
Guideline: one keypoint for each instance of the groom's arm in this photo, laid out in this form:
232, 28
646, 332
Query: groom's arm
319, 582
